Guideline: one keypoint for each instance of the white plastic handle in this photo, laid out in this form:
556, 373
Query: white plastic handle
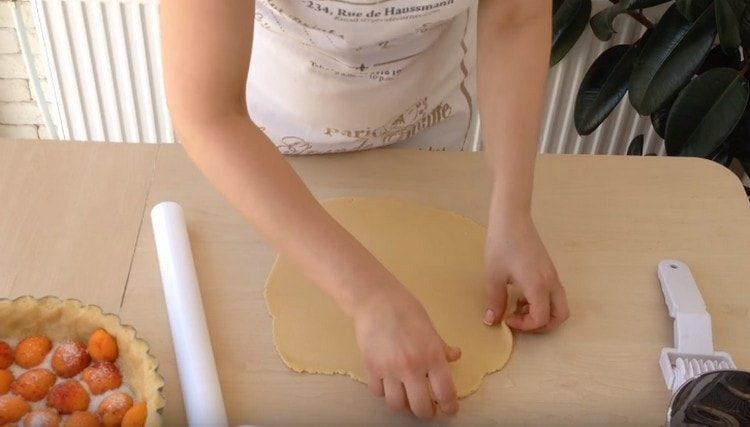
680, 291
692, 324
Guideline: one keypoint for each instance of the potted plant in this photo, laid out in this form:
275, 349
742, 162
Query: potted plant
688, 72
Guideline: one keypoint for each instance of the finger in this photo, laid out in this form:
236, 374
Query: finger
559, 311
418, 395
451, 353
443, 388
560, 303
522, 306
394, 394
538, 315
375, 385
497, 298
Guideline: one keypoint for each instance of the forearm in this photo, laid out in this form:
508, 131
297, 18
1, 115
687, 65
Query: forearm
248, 170
513, 59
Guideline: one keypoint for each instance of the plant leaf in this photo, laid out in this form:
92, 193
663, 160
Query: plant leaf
635, 148
706, 112
659, 119
718, 58
745, 28
556, 5
728, 25
691, 9
603, 86
722, 155
568, 23
739, 141
601, 22
669, 58
738, 6
643, 4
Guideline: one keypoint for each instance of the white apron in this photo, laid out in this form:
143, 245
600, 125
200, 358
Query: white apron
343, 75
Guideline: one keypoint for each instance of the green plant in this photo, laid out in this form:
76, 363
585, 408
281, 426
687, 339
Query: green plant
687, 72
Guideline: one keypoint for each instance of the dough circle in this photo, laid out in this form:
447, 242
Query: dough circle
437, 254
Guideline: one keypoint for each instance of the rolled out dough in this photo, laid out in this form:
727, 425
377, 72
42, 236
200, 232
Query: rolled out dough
437, 254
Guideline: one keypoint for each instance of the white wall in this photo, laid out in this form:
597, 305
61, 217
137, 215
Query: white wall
19, 115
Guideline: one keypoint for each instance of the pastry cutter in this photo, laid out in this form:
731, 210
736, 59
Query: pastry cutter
693, 352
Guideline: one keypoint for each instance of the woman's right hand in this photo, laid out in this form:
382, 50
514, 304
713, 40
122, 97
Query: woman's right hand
405, 358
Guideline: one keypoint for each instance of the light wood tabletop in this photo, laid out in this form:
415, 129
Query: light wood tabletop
74, 223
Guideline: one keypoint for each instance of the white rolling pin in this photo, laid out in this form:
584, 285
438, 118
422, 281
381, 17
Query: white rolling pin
199, 379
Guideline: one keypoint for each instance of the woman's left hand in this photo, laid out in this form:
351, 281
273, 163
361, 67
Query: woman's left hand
515, 254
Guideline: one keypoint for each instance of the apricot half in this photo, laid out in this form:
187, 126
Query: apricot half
136, 416
12, 408
82, 419
6, 355
68, 397
102, 376
41, 418
6, 378
102, 346
70, 358
34, 384
32, 350
113, 408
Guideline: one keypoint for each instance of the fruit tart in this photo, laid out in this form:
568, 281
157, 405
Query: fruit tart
66, 364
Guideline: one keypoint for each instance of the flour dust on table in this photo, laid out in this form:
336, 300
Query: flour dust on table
344, 75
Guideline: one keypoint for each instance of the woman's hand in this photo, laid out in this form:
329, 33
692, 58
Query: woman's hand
405, 358
515, 253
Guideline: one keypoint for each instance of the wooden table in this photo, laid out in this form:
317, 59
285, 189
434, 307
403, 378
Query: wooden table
74, 223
